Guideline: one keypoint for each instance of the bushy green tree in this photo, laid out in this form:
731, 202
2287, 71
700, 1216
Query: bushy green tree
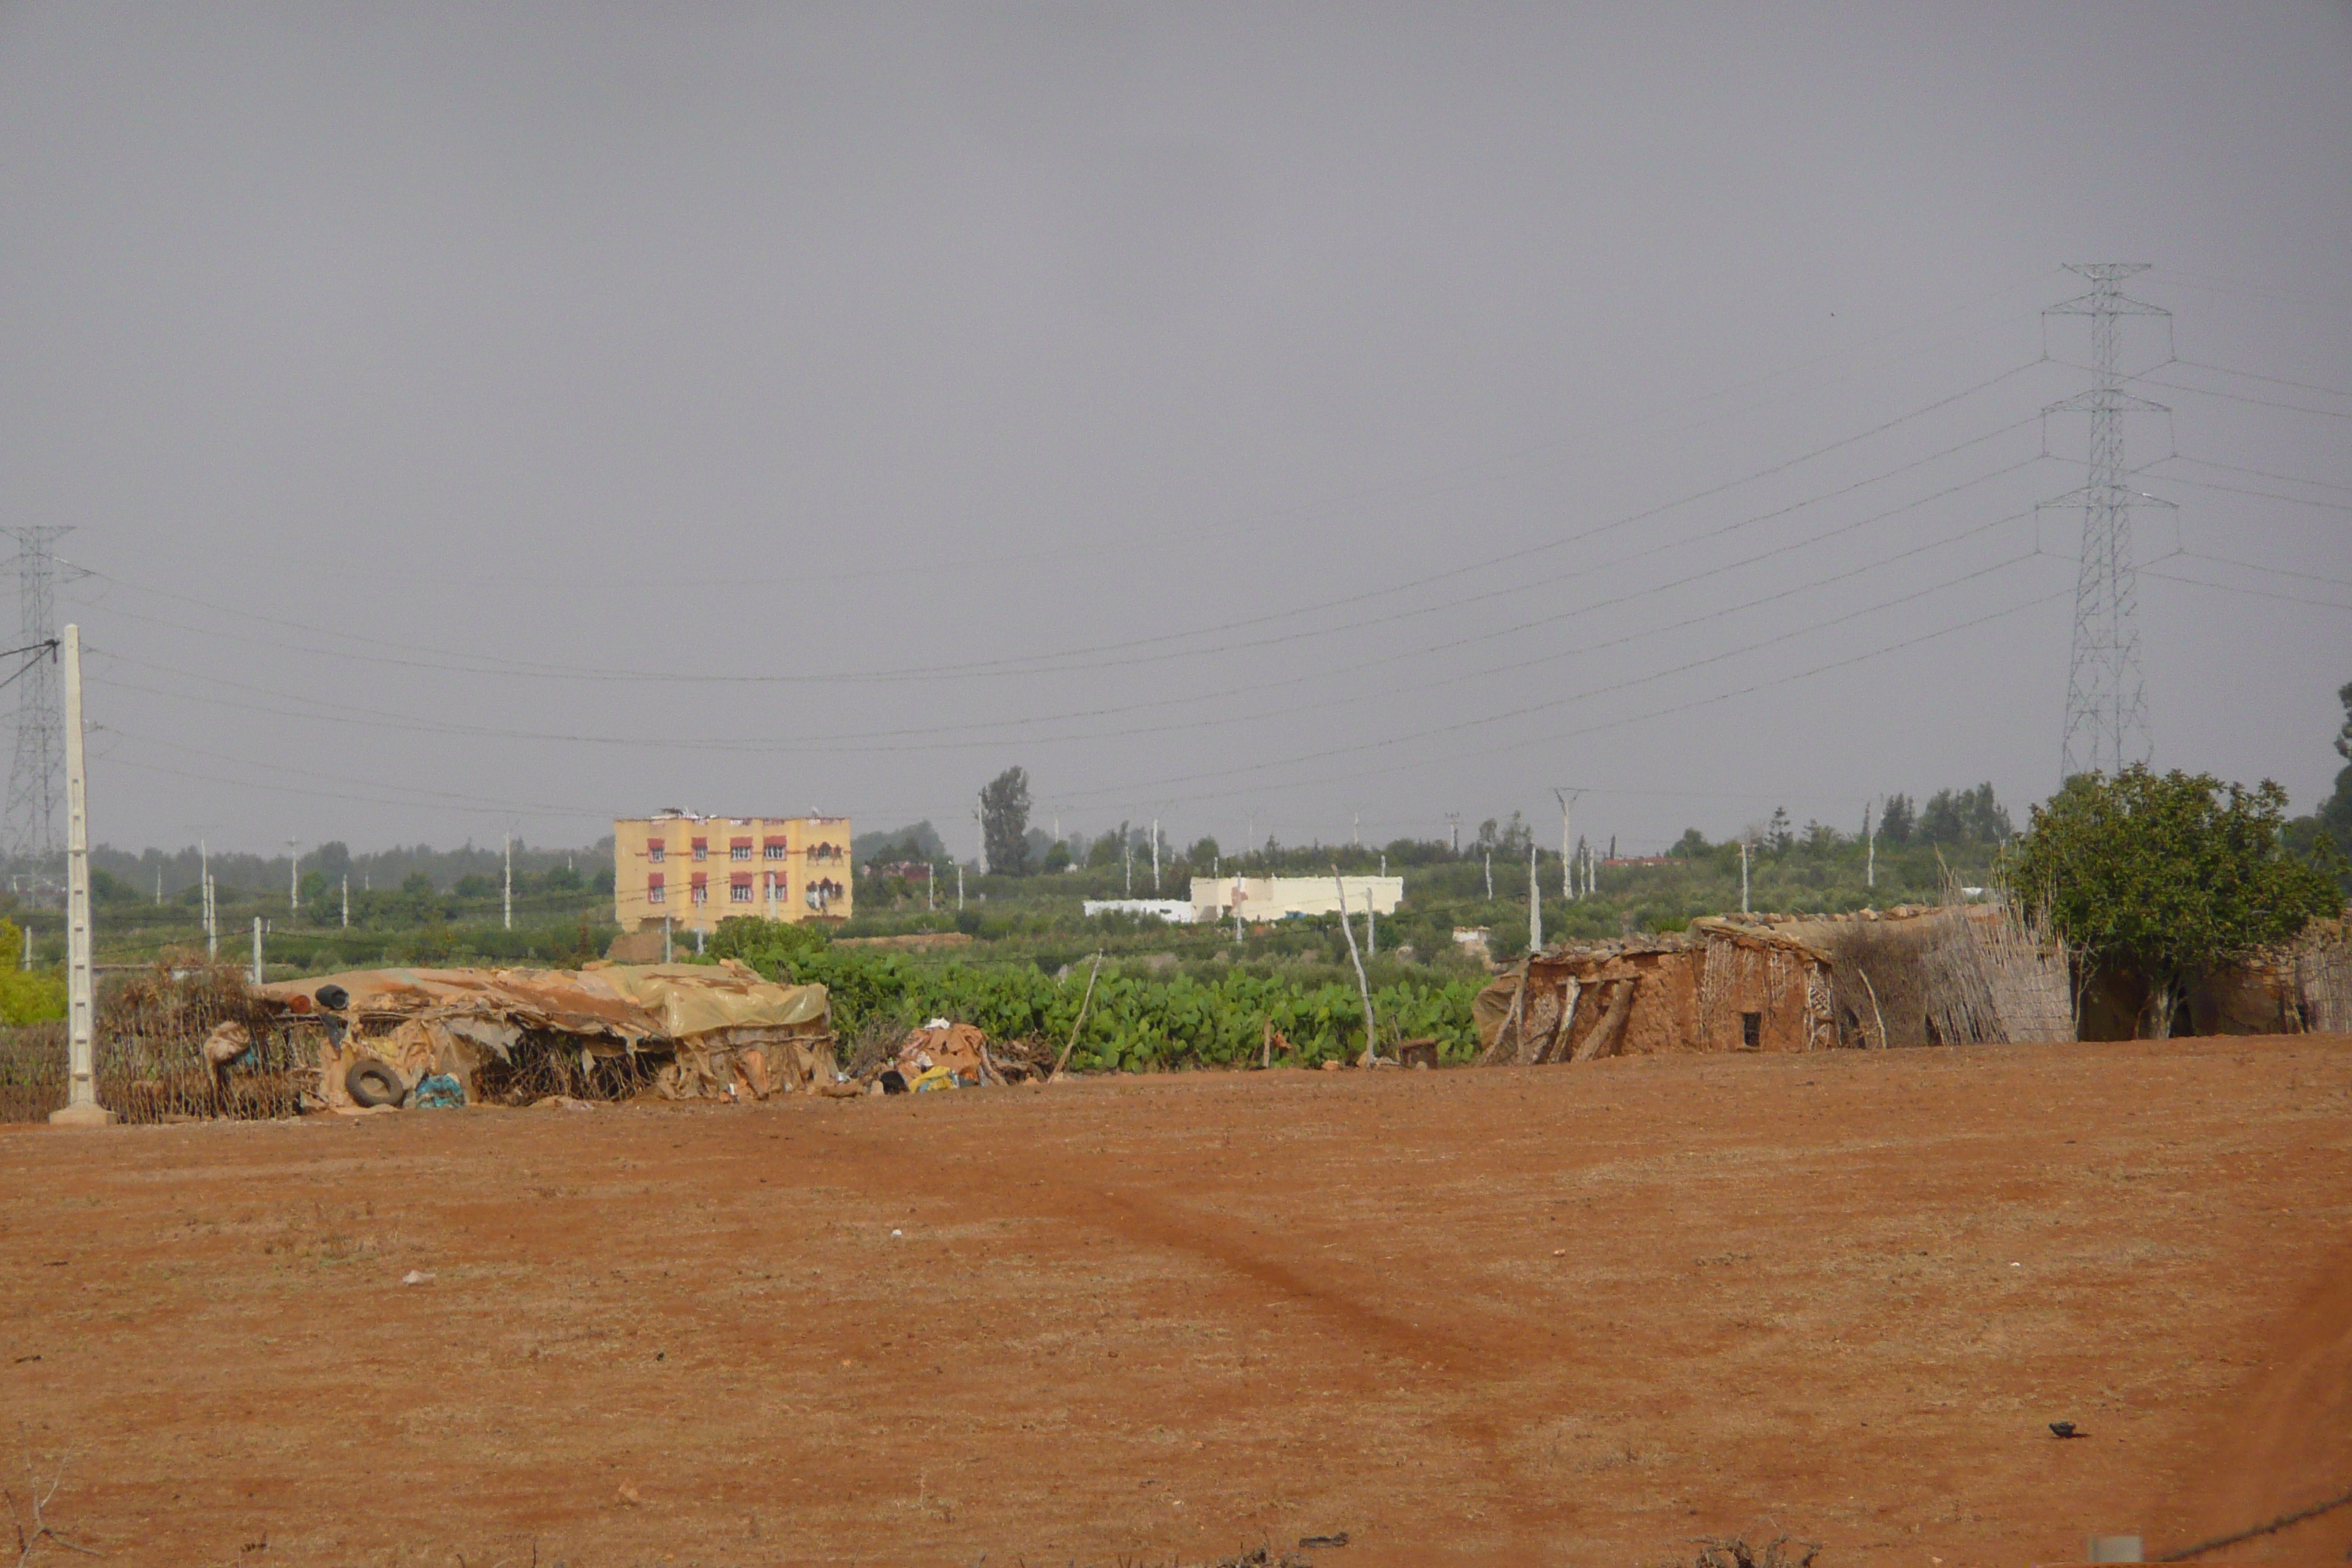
1964, 816
1896, 819
2171, 875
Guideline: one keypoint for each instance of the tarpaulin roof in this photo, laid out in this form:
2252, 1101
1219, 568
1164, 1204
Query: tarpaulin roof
630, 1002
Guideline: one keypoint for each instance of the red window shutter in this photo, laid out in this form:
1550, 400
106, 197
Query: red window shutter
654, 880
702, 879
740, 880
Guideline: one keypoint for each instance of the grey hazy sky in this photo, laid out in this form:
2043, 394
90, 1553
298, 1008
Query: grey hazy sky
487, 418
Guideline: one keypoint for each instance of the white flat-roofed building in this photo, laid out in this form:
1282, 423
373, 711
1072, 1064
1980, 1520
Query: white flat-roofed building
1279, 898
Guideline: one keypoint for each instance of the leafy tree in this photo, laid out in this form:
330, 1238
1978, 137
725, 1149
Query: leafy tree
1896, 819
1777, 833
1964, 816
1202, 855
1057, 859
1004, 822
1690, 845
2169, 876
417, 885
2335, 814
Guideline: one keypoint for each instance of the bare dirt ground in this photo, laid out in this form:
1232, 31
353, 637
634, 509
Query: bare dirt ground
1546, 1316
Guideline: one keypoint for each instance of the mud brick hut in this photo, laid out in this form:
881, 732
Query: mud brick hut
1722, 985
514, 1035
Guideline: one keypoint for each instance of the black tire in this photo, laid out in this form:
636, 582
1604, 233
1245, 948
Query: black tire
893, 1081
371, 1083
334, 997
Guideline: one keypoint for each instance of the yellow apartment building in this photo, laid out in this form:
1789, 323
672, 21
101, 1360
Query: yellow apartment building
694, 871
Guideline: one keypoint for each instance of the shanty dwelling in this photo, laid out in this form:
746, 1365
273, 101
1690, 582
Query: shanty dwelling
1961, 974
1722, 985
2303, 988
454, 1036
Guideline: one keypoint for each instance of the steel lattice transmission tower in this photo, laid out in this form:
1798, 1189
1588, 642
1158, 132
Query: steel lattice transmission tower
30, 831
2107, 710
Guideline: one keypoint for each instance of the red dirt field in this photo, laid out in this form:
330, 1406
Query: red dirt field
1549, 1315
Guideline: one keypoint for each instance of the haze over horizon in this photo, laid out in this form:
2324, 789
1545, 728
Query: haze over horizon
487, 419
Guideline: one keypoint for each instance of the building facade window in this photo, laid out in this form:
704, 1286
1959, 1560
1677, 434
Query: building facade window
739, 888
654, 849
655, 892
739, 849
700, 891
773, 848
702, 848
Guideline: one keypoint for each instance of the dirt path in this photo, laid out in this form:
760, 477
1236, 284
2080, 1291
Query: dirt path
1549, 1315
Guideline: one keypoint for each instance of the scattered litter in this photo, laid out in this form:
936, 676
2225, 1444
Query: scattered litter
437, 1091
628, 1496
1309, 1542
2065, 1429
416, 1276
898, 1232
561, 1102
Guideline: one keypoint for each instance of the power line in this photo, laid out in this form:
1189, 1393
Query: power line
2257, 473
1358, 771
1527, 710
1049, 663
2241, 398
2274, 379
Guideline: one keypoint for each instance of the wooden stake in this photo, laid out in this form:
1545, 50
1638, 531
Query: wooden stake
1363, 986
1085, 1002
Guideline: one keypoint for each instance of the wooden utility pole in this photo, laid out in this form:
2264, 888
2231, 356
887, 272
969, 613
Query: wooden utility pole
81, 1107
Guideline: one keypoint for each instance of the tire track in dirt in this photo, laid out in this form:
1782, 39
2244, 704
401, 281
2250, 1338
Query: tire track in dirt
2287, 1443
1455, 1370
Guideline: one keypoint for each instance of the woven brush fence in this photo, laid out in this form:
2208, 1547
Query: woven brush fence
150, 1031
2323, 972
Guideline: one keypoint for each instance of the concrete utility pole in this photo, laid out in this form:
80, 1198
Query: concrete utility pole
257, 950
1535, 906
347, 900
1870, 834
1490, 876
293, 876
1155, 857
506, 914
958, 887
1566, 796
27, 965
1454, 831
666, 929
81, 1107
1744, 847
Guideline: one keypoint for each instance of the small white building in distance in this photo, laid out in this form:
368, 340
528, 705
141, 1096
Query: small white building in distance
1277, 898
